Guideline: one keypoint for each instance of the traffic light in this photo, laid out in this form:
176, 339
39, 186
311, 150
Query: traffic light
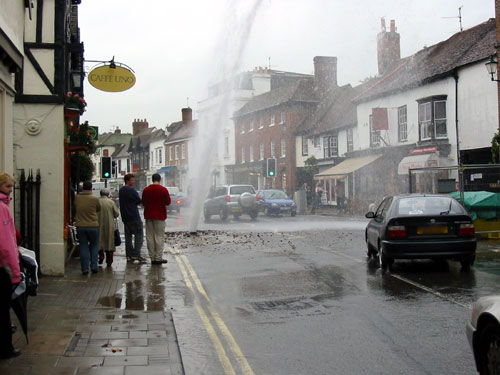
106, 166
271, 167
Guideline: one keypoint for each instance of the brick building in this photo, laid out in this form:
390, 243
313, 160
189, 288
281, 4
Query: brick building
264, 129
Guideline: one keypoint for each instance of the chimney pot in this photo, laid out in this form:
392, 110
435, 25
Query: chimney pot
388, 48
187, 115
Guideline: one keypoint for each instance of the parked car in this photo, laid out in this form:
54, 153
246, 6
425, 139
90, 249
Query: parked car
483, 332
276, 202
420, 226
231, 199
183, 198
175, 203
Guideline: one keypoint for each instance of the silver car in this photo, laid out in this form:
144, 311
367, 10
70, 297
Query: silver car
233, 200
483, 332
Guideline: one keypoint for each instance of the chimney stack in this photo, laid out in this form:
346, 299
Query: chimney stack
325, 73
187, 115
388, 48
138, 125
118, 130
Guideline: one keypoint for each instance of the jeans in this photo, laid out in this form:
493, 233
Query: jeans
133, 228
89, 247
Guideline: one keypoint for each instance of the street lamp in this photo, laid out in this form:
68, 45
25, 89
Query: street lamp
491, 67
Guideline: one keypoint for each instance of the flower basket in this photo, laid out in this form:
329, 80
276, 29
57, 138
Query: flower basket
71, 113
81, 135
74, 102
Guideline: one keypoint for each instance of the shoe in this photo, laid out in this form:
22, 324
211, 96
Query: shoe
13, 353
130, 259
95, 271
139, 259
162, 261
109, 264
85, 273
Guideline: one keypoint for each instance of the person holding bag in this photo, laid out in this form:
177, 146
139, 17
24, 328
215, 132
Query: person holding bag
107, 215
10, 273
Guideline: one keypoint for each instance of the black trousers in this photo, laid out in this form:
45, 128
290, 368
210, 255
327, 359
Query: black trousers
5, 324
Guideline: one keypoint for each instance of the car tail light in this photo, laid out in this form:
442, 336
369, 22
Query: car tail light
466, 230
257, 196
178, 201
228, 198
396, 231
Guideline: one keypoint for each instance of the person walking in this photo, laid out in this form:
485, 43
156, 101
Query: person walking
155, 199
129, 200
107, 216
87, 226
319, 195
10, 273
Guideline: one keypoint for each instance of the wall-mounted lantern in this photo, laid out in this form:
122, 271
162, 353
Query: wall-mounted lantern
491, 67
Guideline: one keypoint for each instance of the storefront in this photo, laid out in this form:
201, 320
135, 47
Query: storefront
338, 182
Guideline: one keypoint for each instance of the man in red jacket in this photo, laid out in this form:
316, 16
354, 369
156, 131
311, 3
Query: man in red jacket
155, 199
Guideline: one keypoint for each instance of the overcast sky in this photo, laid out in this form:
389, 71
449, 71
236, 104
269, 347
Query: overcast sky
174, 46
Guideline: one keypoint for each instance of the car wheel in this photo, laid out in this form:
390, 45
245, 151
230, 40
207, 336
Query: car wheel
383, 261
489, 349
467, 263
223, 214
266, 211
370, 251
254, 214
207, 215
293, 213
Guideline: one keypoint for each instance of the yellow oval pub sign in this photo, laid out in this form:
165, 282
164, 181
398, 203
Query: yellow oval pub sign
111, 79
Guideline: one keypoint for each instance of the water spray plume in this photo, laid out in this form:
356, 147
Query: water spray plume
210, 130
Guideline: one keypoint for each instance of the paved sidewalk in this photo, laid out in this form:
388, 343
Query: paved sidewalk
114, 322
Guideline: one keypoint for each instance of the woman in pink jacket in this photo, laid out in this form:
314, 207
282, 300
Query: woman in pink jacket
9, 266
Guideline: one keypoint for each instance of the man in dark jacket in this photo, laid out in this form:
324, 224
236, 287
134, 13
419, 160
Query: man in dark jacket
129, 200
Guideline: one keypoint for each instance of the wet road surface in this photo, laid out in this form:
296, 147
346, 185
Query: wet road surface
298, 296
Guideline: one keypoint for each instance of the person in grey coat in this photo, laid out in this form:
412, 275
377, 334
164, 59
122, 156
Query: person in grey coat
107, 216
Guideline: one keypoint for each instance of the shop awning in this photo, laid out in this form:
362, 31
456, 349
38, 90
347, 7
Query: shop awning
417, 161
347, 166
166, 170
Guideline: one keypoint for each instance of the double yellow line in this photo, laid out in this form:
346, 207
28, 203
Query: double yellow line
211, 315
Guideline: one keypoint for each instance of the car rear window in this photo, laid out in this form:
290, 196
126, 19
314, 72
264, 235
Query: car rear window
241, 189
428, 206
275, 194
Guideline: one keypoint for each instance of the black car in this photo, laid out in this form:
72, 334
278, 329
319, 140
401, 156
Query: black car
420, 227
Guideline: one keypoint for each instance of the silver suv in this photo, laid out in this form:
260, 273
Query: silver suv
233, 200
